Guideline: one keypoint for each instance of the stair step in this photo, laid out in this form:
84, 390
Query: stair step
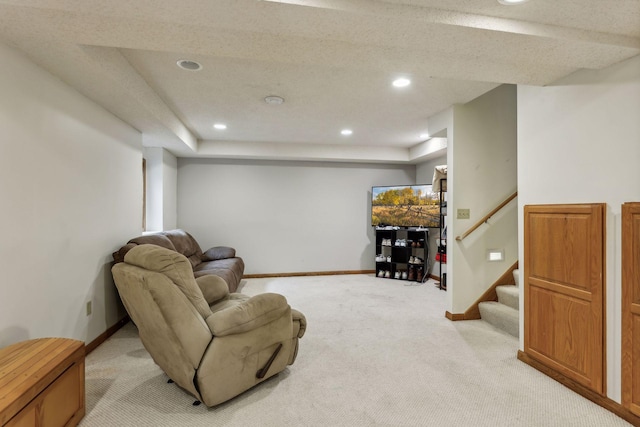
500, 316
516, 276
509, 295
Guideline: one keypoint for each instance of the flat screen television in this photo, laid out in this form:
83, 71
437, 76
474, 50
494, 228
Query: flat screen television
405, 206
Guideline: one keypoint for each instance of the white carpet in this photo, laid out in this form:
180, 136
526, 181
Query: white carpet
376, 353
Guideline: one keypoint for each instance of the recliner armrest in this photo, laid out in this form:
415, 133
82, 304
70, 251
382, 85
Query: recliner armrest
299, 317
251, 314
218, 252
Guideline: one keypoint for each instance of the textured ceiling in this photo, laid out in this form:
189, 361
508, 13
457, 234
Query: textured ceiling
332, 61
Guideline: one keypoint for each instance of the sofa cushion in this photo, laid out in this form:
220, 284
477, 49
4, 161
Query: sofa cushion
230, 269
184, 243
219, 252
154, 239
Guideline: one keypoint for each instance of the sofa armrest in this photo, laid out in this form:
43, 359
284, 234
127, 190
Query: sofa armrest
118, 256
213, 288
218, 252
248, 315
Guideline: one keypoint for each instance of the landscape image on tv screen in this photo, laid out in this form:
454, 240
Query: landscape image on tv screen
405, 206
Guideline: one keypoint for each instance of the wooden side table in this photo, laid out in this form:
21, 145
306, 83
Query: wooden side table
42, 383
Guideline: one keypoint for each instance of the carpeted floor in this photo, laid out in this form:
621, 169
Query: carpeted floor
376, 353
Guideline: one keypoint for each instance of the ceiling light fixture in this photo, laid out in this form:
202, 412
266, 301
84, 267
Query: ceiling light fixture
346, 132
511, 2
188, 65
401, 82
220, 126
274, 100
424, 135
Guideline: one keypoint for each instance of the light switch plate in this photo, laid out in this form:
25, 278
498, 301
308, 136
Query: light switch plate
463, 213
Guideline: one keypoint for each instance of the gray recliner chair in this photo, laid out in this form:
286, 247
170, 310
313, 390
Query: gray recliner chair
212, 343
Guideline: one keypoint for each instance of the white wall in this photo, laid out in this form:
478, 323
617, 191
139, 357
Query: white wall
579, 142
155, 188
170, 190
482, 172
162, 188
71, 191
285, 217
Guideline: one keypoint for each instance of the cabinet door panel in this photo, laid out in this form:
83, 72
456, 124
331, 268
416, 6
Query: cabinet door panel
564, 290
631, 307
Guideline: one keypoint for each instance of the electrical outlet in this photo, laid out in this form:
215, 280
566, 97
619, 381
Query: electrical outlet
464, 213
88, 308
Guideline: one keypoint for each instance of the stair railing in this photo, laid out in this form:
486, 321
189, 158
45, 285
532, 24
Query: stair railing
487, 216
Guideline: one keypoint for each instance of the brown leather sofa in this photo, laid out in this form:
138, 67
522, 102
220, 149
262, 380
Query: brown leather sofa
218, 261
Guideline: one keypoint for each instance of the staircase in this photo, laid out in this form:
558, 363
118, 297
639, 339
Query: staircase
504, 313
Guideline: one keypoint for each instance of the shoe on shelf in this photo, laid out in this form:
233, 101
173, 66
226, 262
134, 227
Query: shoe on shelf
404, 275
411, 260
389, 258
412, 274
381, 273
419, 274
387, 274
418, 260
397, 275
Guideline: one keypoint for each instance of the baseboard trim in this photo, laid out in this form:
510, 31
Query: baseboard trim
454, 316
605, 402
106, 334
310, 273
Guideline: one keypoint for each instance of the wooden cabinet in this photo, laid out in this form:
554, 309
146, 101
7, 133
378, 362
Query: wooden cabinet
564, 286
631, 307
42, 383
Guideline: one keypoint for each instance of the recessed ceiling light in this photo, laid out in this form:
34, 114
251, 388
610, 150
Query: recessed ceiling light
188, 65
346, 132
220, 126
401, 82
424, 135
511, 2
274, 100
